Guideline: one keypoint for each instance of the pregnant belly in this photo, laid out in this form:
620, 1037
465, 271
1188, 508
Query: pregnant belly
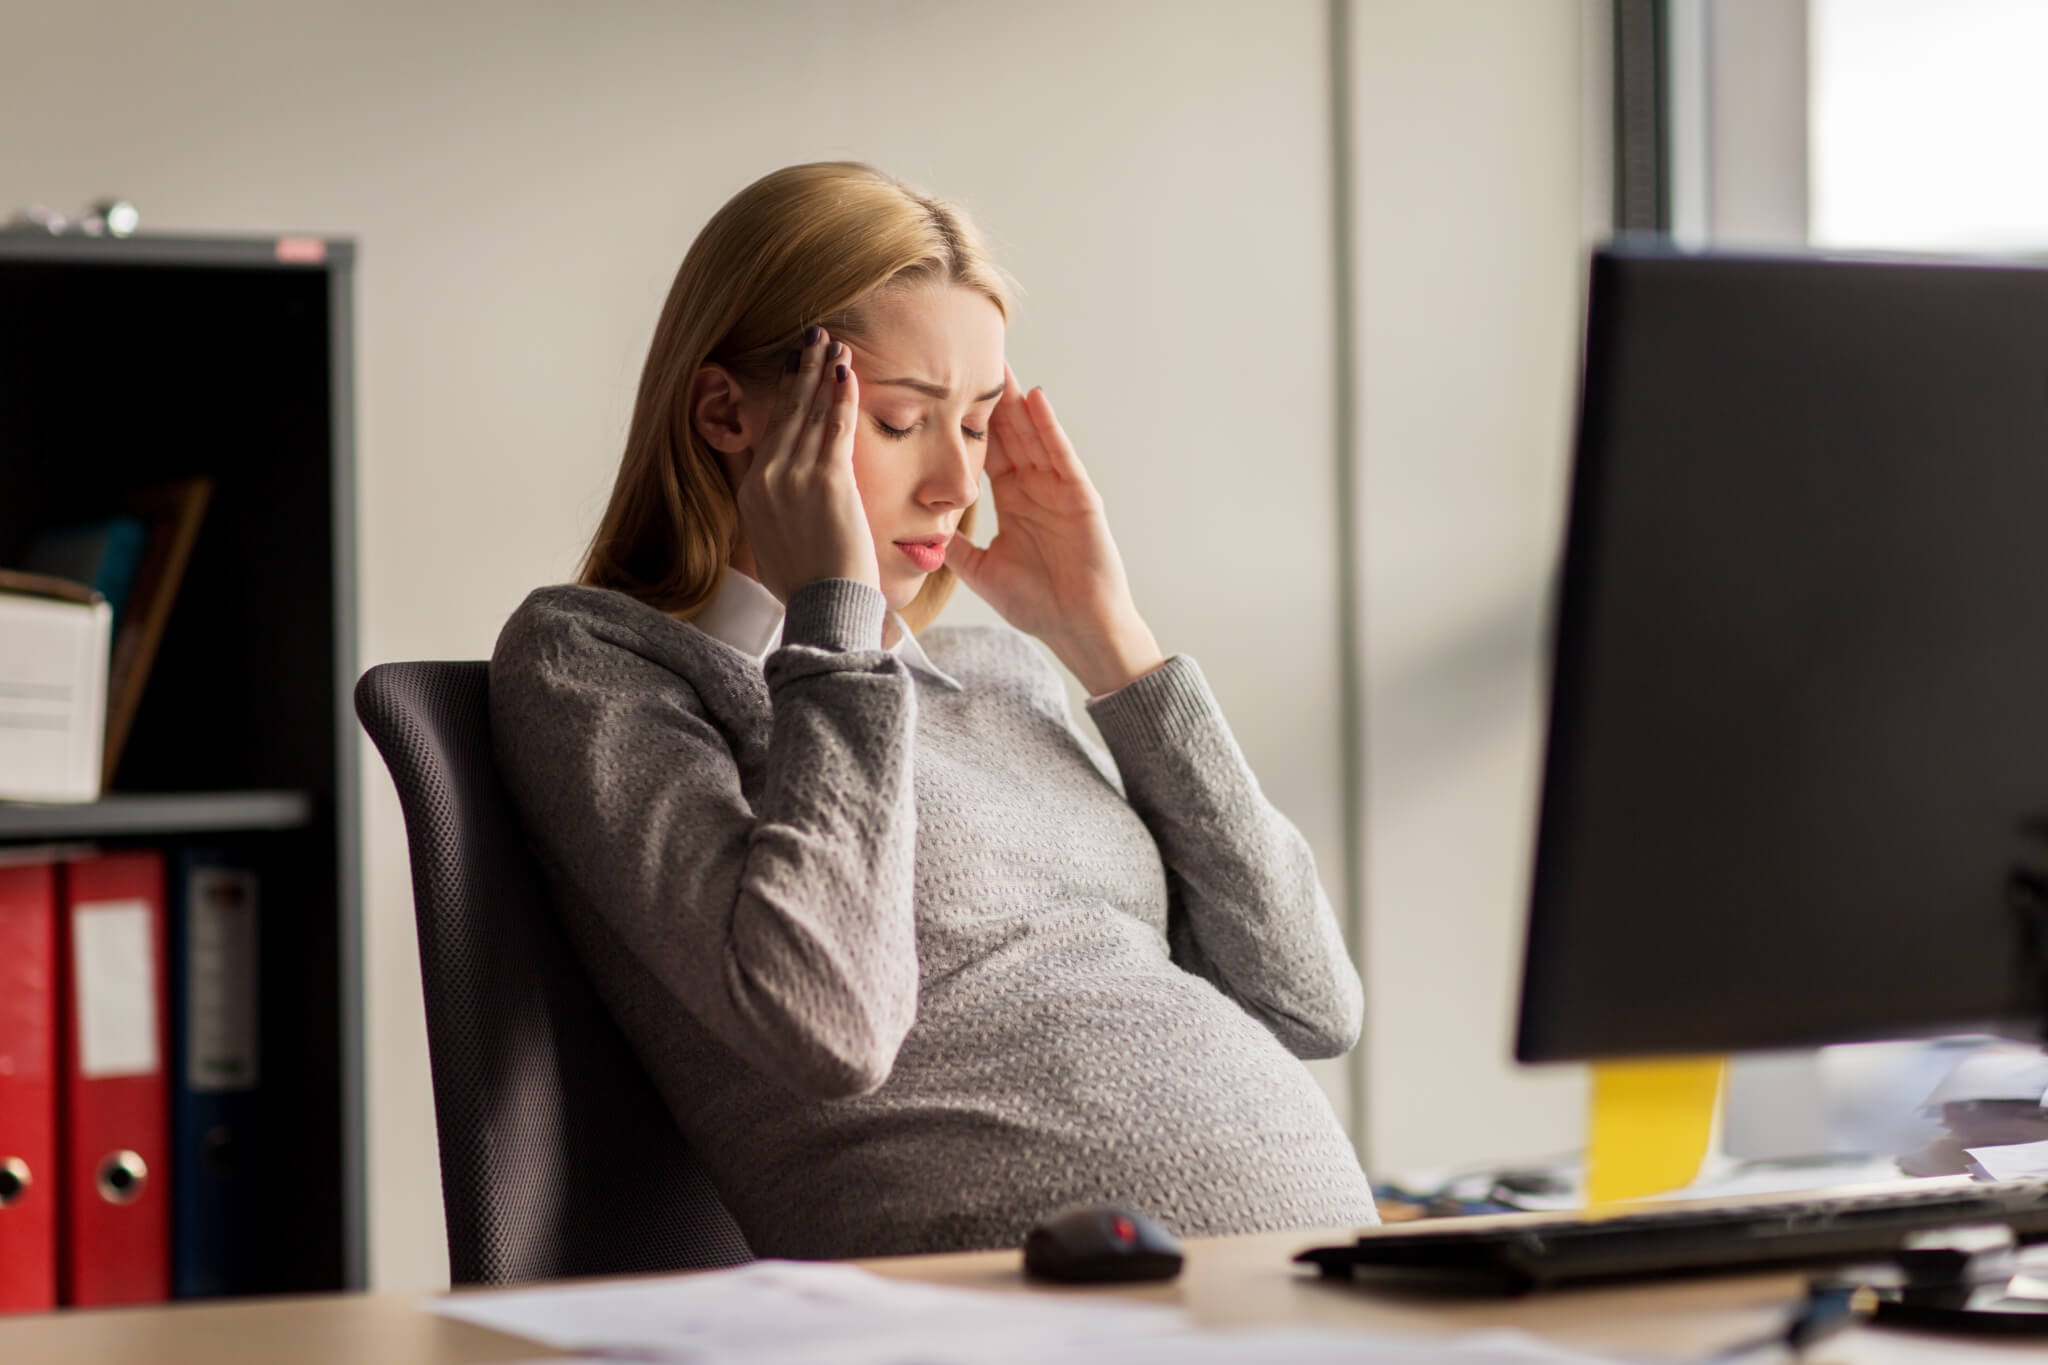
1026, 1086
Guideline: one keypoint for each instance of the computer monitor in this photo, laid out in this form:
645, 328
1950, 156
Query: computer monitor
1796, 786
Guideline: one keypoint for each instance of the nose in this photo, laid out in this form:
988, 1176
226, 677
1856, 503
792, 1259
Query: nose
955, 478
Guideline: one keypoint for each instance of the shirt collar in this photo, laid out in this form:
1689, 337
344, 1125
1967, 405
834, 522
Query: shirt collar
748, 617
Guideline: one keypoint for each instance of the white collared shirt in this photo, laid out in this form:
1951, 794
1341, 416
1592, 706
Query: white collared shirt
747, 616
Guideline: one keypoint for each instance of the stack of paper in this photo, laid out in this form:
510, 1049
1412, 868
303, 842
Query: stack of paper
1994, 1106
2012, 1161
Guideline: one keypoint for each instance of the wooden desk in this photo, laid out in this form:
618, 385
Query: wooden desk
1228, 1282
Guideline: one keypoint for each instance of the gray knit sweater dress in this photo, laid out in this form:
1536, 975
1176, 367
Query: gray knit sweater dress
915, 965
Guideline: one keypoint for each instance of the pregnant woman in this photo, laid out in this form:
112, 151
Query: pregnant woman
912, 961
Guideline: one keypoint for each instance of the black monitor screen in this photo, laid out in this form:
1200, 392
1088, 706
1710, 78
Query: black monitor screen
1797, 774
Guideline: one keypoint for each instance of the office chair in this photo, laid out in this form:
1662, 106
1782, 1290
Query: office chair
558, 1156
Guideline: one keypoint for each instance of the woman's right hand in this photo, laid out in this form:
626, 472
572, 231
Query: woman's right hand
800, 508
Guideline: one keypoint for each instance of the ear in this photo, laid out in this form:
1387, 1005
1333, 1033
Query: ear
717, 407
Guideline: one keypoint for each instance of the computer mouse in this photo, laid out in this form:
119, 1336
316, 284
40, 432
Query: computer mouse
1099, 1244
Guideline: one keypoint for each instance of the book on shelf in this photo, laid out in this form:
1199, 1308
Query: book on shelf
170, 513
53, 688
131, 563
102, 554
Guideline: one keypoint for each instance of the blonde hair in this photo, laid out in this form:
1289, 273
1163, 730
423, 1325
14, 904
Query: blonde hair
802, 245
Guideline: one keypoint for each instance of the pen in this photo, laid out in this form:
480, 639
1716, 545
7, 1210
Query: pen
1828, 1309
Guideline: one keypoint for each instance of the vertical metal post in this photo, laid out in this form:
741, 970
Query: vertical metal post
1350, 629
348, 826
1642, 189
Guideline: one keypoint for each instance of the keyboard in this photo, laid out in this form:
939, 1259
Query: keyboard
1515, 1253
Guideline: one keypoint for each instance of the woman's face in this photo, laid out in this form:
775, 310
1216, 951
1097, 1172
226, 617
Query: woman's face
930, 370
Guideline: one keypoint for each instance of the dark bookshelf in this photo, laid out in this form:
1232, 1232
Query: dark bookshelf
129, 361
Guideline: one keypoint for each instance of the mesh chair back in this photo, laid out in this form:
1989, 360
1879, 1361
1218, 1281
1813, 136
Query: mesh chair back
558, 1156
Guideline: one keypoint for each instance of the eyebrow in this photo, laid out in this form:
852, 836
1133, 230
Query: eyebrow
926, 386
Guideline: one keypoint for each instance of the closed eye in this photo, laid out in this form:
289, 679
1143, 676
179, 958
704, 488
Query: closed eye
898, 433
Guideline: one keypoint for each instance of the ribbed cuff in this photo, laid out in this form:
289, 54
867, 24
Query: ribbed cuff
835, 613
1157, 709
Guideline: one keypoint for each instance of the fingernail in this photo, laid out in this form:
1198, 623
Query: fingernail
841, 372
812, 333
837, 348
792, 360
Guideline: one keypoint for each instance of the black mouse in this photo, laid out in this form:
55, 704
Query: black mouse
1099, 1243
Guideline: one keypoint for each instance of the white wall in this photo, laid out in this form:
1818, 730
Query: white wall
523, 179
1480, 173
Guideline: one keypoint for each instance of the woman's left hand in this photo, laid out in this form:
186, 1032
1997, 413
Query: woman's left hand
1053, 571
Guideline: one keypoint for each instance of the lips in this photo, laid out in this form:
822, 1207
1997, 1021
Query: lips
928, 555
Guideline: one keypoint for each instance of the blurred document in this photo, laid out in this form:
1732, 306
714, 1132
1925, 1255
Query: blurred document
800, 1312
2014, 1161
812, 1313
1320, 1346
1266, 1346
1997, 1072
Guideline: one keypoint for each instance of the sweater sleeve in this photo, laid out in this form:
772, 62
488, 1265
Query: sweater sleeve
1247, 910
786, 927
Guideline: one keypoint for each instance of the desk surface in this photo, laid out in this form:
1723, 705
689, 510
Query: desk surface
1228, 1282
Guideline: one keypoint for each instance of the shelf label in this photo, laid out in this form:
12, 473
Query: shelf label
111, 953
220, 979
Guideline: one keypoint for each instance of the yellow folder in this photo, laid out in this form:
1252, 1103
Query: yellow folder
1650, 1125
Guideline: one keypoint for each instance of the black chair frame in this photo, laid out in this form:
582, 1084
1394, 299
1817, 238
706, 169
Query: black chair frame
558, 1156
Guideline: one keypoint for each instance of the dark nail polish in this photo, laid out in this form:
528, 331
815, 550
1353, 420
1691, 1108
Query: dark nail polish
792, 360
842, 374
838, 348
812, 333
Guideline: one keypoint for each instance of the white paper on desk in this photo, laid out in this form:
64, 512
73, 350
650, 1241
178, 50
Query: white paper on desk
1320, 1346
807, 1313
1266, 1346
1996, 1072
2014, 1161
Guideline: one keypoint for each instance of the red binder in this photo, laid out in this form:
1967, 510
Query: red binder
115, 1229
28, 1086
